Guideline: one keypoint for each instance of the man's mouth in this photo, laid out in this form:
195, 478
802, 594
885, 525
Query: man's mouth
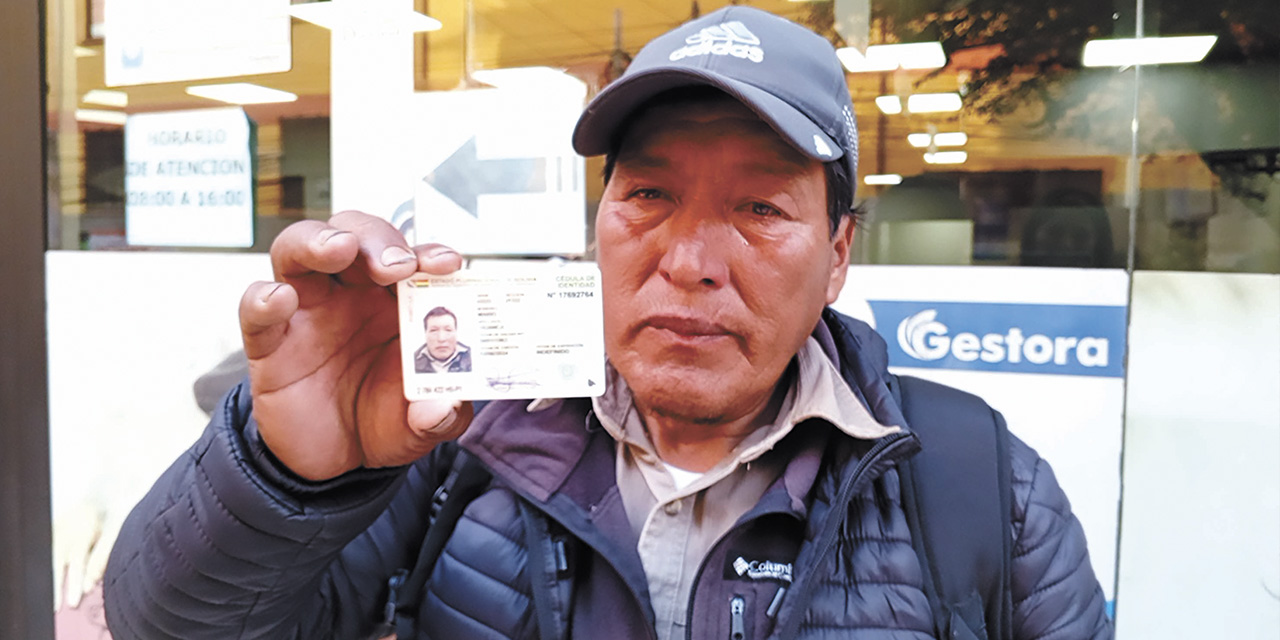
687, 327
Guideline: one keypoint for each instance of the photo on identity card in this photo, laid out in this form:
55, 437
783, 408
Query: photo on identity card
503, 330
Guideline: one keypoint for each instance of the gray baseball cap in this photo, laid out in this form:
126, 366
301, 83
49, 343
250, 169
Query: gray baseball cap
787, 74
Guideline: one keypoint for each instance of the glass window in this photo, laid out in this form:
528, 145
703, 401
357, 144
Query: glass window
1208, 142
1061, 144
995, 138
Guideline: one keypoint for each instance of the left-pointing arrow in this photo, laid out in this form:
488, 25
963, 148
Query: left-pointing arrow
463, 177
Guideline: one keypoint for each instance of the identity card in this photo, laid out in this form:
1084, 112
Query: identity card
503, 329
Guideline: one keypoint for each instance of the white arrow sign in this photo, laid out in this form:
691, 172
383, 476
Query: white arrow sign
502, 178
488, 171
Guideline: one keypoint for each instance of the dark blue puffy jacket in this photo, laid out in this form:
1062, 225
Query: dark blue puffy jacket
230, 545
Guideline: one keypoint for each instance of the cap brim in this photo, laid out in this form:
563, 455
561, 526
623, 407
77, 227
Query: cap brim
600, 121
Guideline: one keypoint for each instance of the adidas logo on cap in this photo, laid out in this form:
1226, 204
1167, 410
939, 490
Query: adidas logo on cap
725, 39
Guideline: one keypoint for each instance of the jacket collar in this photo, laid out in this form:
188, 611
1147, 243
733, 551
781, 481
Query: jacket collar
537, 450
863, 359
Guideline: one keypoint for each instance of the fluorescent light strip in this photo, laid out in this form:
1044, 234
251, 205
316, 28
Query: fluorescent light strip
106, 98
891, 105
919, 55
325, 14
528, 78
883, 179
919, 140
1124, 52
101, 116
933, 102
85, 52
946, 157
241, 93
947, 139
888, 57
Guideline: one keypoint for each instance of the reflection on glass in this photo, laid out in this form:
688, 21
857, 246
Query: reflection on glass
1184, 147
1181, 152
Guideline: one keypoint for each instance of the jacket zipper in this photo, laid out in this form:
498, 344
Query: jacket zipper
697, 577
876, 452
737, 627
592, 424
832, 529
824, 543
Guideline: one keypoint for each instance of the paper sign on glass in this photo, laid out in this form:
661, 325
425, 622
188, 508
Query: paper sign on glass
504, 330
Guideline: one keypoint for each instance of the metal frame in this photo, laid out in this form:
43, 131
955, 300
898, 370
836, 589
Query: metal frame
26, 579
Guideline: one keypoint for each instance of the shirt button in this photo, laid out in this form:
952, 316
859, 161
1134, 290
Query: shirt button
672, 508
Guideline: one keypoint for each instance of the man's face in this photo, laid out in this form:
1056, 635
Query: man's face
442, 336
716, 258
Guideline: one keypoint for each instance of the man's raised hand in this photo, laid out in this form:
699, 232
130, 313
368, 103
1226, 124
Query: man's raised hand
324, 349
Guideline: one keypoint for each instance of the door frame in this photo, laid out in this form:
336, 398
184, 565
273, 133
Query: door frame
26, 577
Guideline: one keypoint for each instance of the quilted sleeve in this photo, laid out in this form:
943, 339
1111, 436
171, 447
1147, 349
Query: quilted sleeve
1055, 593
228, 544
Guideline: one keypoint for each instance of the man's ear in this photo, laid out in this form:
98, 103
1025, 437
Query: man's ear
841, 245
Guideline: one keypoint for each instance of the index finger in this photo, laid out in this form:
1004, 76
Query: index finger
312, 246
367, 248
307, 253
385, 258
384, 255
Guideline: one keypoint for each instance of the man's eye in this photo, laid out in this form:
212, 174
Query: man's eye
762, 209
646, 194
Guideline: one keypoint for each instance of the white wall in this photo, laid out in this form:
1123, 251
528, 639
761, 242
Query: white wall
1200, 522
129, 334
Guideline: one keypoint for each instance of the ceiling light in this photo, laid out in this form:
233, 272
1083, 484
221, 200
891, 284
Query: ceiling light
883, 179
951, 139
948, 139
241, 93
919, 55
535, 78
933, 102
919, 140
1124, 52
889, 104
327, 15
106, 97
888, 57
101, 116
946, 157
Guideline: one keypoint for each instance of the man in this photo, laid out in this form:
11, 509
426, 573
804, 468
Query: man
442, 352
739, 478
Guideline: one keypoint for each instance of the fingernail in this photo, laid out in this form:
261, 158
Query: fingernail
447, 422
392, 256
436, 252
326, 236
267, 296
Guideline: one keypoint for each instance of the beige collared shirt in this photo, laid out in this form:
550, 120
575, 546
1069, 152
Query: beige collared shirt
676, 527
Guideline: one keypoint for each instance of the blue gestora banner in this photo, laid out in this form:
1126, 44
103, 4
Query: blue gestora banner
1046, 347
1076, 340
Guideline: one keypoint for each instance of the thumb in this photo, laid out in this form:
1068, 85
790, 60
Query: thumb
439, 420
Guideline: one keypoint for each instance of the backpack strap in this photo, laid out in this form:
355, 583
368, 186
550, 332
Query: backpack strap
553, 557
465, 480
957, 494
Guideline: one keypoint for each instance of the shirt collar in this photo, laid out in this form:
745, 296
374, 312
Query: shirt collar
816, 391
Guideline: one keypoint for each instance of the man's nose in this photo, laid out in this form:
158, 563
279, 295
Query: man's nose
696, 251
